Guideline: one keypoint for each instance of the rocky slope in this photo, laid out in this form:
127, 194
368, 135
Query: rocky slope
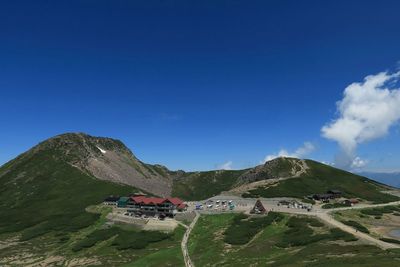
103, 158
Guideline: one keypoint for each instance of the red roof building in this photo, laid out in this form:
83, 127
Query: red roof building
155, 205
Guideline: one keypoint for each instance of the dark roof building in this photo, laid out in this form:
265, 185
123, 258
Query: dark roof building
122, 202
111, 199
336, 193
258, 208
323, 196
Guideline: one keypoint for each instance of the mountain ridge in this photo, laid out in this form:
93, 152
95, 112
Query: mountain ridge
389, 178
48, 187
110, 160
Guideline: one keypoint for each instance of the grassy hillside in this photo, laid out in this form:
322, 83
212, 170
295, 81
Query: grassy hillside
96, 246
43, 201
319, 179
43, 193
202, 185
290, 242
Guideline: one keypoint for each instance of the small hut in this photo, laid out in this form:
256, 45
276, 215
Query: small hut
258, 208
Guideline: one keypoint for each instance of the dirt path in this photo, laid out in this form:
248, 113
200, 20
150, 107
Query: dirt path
364, 206
330, 220
185, 252
325, 215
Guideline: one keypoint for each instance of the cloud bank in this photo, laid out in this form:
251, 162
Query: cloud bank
301, 152
366, 112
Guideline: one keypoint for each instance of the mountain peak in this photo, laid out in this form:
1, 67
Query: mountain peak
103, 158
281, 167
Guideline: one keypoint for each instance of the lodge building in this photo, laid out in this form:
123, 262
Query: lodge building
152, 206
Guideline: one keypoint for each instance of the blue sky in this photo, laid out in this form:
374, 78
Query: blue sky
193, 84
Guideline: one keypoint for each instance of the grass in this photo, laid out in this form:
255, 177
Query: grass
356, 225
335, 205
137, 240
338, 234
140, 249
380, 211
244, 228
168, 255
301, 234
93, 238
52, 196
321, 178
202, 185
208, 248
47, 208
123, 239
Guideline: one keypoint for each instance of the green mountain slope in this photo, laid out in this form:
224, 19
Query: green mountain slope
106, 159
202, 185
319, 178
44, 194
44, 197
42, 191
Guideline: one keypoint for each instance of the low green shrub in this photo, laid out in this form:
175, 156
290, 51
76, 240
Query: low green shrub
315, 223
138, 240
94, 237
299, 233
123, 239
335, 205
244, 228
380, 211
35, 231
337, 234
357, 226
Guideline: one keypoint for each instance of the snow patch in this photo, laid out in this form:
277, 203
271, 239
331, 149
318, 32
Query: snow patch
101, 150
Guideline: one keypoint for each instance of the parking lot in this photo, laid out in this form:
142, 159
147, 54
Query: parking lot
221, 204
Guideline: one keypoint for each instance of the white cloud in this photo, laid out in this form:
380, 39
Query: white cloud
301, 152
366, 112
358, 163
225, 166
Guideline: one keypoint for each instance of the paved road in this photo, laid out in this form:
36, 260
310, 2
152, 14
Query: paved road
185, 252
